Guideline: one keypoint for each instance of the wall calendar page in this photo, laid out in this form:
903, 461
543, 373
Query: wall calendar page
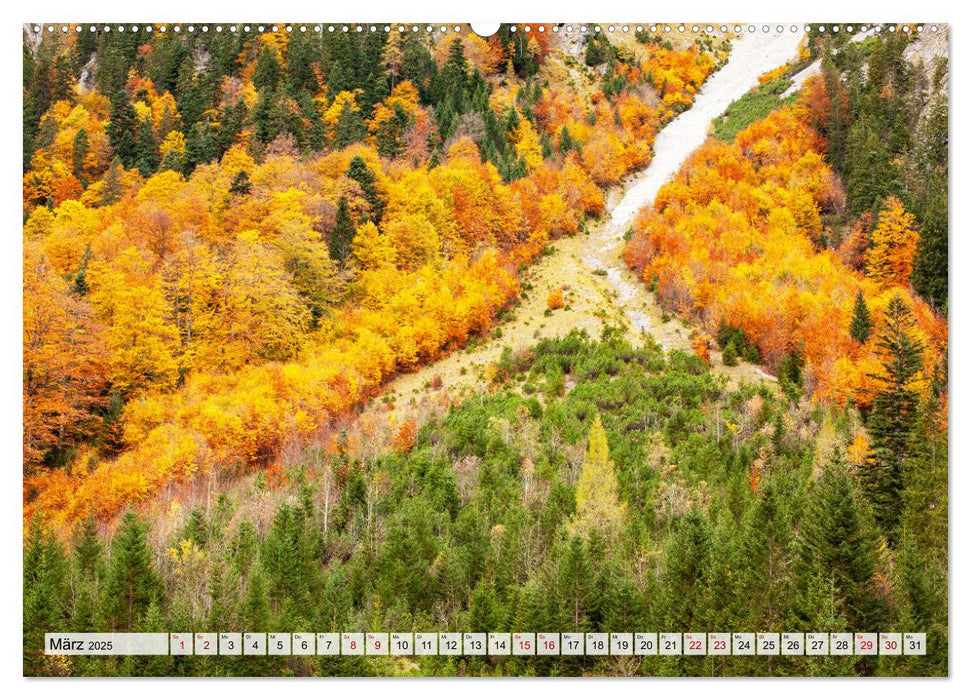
513, 349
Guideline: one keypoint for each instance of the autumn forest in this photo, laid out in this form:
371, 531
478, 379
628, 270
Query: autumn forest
301, 349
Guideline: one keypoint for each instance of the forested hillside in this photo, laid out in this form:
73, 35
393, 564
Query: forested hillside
815, 243
233, 238
234, 241
794, 248
646, 497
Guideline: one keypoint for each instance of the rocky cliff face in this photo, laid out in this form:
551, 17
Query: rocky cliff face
930, 50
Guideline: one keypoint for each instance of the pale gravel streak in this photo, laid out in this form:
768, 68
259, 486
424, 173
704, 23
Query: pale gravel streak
751, 56
814, 68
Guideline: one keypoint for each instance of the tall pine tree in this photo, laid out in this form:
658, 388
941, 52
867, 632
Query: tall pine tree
359, 172
837, 539
121, 129
343, 233
132, 583
894, 416
862, 324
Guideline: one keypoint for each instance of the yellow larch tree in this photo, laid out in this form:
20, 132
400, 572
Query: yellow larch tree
528, 146
598, 498
893, 247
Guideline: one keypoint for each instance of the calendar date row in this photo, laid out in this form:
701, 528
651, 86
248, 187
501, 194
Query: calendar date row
489, 644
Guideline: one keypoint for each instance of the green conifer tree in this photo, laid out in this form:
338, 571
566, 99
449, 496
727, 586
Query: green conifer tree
267, 73
928, 180
837, 538
231, 121
241, 185
79, 152
132, 583
619, 605
200, 146
112, 190
80, 283
173, 160
349, 128
315, 133
764, 555
359, 172
146, 149
197, 529
121, 129
256, 606
575, 583
687, 561
895, 413
862, 324
418, 65
45, 593
343, 233
567, 143
87, 550
925, 482
189, 95
287, 556
341, 58
730, 354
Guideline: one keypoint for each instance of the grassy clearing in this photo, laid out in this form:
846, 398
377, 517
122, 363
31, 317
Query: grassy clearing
755, 105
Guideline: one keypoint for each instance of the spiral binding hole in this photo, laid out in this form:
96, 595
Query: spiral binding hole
524, 28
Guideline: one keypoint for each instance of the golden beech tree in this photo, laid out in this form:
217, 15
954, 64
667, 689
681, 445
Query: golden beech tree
603, 158
261, 315
172, 148
404, 437
701, 345
142, 343
372, 249
404, 99
853, 249
78, 151
414, 194
193, 278
290, 231
344, 100
65, 234
414, 239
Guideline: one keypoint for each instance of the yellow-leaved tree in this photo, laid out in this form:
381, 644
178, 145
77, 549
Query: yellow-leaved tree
598, 498
372, 249
528, 146
893, 246
414, 238
141, 341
